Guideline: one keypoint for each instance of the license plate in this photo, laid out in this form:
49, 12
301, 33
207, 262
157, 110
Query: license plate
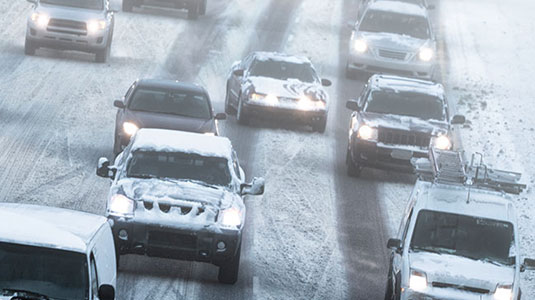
401, 154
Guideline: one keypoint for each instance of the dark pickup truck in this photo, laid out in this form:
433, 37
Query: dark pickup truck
195, 8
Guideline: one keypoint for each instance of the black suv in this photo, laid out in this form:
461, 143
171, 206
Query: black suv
396, 119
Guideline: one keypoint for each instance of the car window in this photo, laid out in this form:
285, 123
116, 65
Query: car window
283, 70
236, 165
182, 103
389, 22
411, 104
94, 278
87, 4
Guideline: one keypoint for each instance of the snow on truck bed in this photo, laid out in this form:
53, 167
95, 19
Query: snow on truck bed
180, 141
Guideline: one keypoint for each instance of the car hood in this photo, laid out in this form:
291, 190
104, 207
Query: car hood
431, 127
70, 13
458, 271
167, 121
392, 41
291, 88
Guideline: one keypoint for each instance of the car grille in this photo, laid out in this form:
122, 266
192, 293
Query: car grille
67, 26
461, 287
392, 54
402, 137
165, 239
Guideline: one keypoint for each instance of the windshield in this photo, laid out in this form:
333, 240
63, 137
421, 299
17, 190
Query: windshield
382, 21
87, 4
283, 70
409, 104
179, 166
182, 103
54, 273
475, 238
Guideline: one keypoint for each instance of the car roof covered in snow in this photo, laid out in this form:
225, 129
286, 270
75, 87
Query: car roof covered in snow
48, 227
276, 56
169, 85
399, 7
406, 84
163, 140
453, 199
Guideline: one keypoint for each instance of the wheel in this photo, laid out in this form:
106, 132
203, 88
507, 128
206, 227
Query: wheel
29, 47
240, 115
353, 170
388, 290
193, 11
319, 125
228, 271
202, 8
117, 259
128, 5
101, 56
229, 110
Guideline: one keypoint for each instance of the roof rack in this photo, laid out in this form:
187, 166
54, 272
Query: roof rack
449, 167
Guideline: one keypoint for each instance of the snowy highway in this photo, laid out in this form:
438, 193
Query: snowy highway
316, 233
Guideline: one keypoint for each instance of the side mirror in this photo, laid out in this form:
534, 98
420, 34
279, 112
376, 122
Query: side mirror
221, 116
106, 292
394, 244
238, 73
458, 120
254, 188
529, 264
353, 104
118, 104
104, 170
326, 82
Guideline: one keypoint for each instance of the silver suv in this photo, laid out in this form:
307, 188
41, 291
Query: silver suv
83, 25
459, 237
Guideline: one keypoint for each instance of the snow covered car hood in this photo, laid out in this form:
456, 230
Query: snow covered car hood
291, 88
168, 121
392, 41
70, 13
459, 271
431, 127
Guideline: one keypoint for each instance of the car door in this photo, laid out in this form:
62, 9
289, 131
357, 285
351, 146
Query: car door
121, 111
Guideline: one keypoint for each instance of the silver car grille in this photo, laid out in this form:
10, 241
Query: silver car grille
403, 137
461, 287
396, 55
67, 26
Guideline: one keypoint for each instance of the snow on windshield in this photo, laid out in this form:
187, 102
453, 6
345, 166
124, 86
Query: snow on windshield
181, 103
283, 70
411, 104
390, 22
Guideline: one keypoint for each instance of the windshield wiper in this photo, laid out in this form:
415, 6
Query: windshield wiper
430, 249
25, 294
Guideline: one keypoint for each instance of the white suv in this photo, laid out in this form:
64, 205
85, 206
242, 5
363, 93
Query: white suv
459, 237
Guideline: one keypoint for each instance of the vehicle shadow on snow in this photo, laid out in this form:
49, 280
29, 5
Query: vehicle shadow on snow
386, 176
261, 123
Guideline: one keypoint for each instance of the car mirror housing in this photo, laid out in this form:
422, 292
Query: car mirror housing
326, 82
106, 292
118, 104
104, 170
254, 188
353, 104
394, 244
238, 73
458, 120
221, 116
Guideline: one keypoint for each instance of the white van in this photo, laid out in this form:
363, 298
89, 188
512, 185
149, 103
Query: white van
55, 253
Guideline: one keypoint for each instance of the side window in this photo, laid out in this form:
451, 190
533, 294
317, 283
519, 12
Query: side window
130, 90
94, 278
364, 96
236, 165
407, 224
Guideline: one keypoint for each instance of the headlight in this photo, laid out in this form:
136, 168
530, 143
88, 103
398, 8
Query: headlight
360, 45
272, 99
504, 292
209, 133
417, 281
40, 20
442, 142
367, 133
231, 218
120, 205
306, 103
426, 54
256, 97
94, 26
130, 128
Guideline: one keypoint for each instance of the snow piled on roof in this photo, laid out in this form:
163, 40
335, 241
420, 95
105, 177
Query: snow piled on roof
405, 84
399, 7
47, 226
163, 140
264, 56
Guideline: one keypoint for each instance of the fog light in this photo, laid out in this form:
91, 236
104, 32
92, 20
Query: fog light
123, 234
221, 245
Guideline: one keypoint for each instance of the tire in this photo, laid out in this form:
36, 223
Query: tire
101, 56
229, 110
353, 170
389, 293
128, 5
240, 115
320, 125
193, 11
228, 271
202, 8
29, 47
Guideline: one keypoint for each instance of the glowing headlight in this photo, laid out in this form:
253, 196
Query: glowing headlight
130, 128
40, 20
209, 133
272, 99
94, 26
504, 292
120, 205
360, 45
426, 54
256, 97
367, 133
231, 218
417, 281
442, 142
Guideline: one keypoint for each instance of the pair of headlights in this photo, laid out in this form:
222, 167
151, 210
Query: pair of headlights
425, 54
304, 102
418, 282
130, 129
92, 26
122, 206
369, 133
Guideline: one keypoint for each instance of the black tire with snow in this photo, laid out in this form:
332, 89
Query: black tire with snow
229, 110
228, 271
29, 47
320, 125
353, 170
243, 119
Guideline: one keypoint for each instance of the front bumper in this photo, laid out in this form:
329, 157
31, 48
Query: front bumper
383, 156
174, 242
369, 62
284, 112
85, 42
445, 294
